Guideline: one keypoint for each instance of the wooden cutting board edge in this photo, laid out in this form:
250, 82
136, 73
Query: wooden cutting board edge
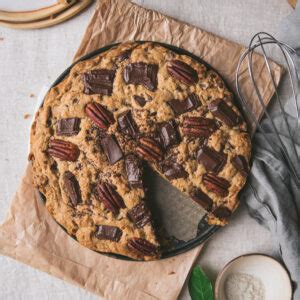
46, 20
293, 3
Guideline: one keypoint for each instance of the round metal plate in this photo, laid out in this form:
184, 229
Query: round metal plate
204, 231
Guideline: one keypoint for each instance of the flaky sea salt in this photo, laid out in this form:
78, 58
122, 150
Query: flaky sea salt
239, 286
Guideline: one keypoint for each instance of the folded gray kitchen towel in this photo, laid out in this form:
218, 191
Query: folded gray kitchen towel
272, 196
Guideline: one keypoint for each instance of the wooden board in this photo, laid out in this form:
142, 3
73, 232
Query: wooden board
44, 17
293, 3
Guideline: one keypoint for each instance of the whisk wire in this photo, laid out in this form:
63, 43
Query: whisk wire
260, 40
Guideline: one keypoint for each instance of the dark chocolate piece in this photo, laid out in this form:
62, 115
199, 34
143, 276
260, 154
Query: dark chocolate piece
240, 163
111, 148
203, 199
127, 124
222, 212
134, 171
174, 171
141, 73
123, 55
72, 188
68, 126
141, 101
139, 215
211, 159
225, 113
182, 106
106, 232
169, 134
99, 82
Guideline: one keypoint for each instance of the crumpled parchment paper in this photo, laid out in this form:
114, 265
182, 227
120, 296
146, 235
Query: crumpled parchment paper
29, 233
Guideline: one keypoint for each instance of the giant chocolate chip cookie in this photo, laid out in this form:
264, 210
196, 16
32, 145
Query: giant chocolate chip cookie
136, 104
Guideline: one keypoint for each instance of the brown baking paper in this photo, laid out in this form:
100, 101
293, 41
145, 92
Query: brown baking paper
30, 235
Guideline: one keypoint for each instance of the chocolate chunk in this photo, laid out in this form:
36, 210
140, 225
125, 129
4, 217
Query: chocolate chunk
139, 215
72, 188
169, 134
134, 171
240, 163
174, 171
203, 199
211, 159
106, 232
225, 113
123, 55
182, 106
127, 124
141, 101
68, 127
141, 73
222, 212
111, 148
99, 82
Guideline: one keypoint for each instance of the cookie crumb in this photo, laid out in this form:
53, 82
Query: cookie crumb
1, 39
172, 273
31, 95
26, 116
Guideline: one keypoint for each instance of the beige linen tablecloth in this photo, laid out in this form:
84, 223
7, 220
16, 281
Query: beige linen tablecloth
30, 71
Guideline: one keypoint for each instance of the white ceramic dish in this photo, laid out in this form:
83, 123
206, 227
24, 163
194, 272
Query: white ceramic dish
271, 273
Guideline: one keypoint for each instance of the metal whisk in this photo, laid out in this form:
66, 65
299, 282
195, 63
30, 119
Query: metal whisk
259, 41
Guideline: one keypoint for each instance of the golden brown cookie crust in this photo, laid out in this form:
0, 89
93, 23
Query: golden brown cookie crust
68, 100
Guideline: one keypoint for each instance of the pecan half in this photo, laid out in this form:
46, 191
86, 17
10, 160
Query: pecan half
182, 72
99, 115
216, 184
63, 150
143, 246
149, 150
198, 126
110, 197
224, 112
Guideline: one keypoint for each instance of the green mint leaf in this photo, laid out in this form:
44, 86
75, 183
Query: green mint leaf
200, 287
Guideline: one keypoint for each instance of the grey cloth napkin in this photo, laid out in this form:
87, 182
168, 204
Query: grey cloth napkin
272, 196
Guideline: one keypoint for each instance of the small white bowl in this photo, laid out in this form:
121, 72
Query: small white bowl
270, 272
